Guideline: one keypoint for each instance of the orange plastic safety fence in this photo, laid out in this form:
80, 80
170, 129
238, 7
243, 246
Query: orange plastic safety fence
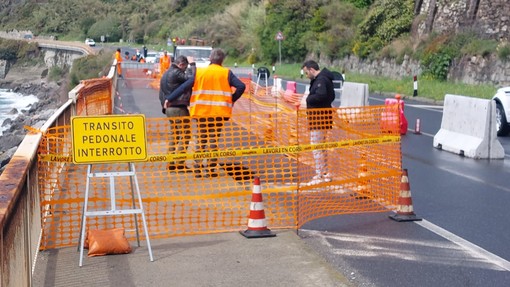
95, 97
206, 185
198, 177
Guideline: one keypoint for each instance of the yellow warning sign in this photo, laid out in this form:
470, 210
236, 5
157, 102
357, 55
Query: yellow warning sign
102, 139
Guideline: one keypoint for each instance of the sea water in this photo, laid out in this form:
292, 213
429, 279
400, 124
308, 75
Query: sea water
10, 100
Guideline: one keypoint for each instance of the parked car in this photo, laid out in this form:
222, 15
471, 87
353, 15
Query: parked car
502, 99
90, 42
151, 56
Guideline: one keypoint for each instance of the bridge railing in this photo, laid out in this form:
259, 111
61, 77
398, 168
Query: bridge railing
20, 201
20, 216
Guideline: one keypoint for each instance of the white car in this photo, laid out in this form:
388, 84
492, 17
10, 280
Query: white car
151, 56
90, 42
502, 99
200, 54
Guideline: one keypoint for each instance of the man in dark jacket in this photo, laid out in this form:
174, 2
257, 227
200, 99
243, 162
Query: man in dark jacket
320, 115
176, 107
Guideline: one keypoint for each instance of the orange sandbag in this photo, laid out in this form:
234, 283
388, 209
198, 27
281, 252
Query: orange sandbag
109, 241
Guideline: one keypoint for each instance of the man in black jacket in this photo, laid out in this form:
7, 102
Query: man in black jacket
176, 107
320, 115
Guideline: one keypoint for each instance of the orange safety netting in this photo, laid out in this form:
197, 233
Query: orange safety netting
266, 137
95, 97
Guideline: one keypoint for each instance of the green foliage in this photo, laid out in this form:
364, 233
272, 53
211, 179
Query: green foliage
429, 88
9, 50
436, 65
386, 20
13, 50
252, 58
440, 50
86, 23
361, 3
477, 46
292, 18
90, 67
109, 27
246, 29
56, 73
504, 52
332, 35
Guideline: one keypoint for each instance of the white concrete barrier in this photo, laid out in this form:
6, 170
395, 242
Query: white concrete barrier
354, 95
468, 128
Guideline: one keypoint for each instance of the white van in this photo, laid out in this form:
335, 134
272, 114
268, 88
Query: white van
199, 53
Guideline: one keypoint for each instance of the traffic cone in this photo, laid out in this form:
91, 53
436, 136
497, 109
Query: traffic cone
405, 210
257, 225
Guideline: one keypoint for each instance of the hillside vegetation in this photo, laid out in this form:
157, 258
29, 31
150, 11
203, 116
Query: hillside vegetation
246, 29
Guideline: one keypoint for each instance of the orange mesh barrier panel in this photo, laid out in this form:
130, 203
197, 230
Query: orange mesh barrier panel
212, 194
95, 97
199, 174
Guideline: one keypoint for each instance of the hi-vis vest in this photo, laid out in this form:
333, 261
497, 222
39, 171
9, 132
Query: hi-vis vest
212, 95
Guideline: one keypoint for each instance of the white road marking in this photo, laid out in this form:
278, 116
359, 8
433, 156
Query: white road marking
432, 251
472, 248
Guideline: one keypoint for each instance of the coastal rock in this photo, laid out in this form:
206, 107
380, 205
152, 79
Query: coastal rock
7, 122
27, 81
6, 156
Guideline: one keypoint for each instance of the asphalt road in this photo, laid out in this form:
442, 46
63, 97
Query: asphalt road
463, 238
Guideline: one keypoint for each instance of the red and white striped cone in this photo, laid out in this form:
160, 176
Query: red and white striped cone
405, 211
257, 225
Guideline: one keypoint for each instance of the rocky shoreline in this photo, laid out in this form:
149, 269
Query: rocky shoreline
29, 81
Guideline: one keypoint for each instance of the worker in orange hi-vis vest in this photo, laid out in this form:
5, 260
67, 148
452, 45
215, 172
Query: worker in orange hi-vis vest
211, 106
164, 63
118, 57
142, 61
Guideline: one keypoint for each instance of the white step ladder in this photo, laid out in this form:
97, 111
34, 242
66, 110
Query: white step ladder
114, 211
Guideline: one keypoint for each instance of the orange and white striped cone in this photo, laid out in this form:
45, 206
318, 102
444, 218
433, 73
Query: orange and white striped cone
257, 225
405, 211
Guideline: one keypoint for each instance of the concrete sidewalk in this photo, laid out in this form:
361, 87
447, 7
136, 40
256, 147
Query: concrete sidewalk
223, 259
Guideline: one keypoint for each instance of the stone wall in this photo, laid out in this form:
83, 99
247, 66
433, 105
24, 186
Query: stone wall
489, 17
469, 70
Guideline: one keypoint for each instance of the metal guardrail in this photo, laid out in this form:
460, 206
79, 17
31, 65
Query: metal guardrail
20, 216
20, 212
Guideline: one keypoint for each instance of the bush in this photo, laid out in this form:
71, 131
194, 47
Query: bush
89, 67
436, 65
56, 73
504, 52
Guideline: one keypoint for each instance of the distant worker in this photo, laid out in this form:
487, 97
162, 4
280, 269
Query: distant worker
164, 63
126, 56
118, 57
134, 58
211, 106
175, 106
320, 115
142, 61
145, 51
138, 55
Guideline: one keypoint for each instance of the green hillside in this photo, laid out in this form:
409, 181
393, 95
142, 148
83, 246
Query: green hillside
246, 29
